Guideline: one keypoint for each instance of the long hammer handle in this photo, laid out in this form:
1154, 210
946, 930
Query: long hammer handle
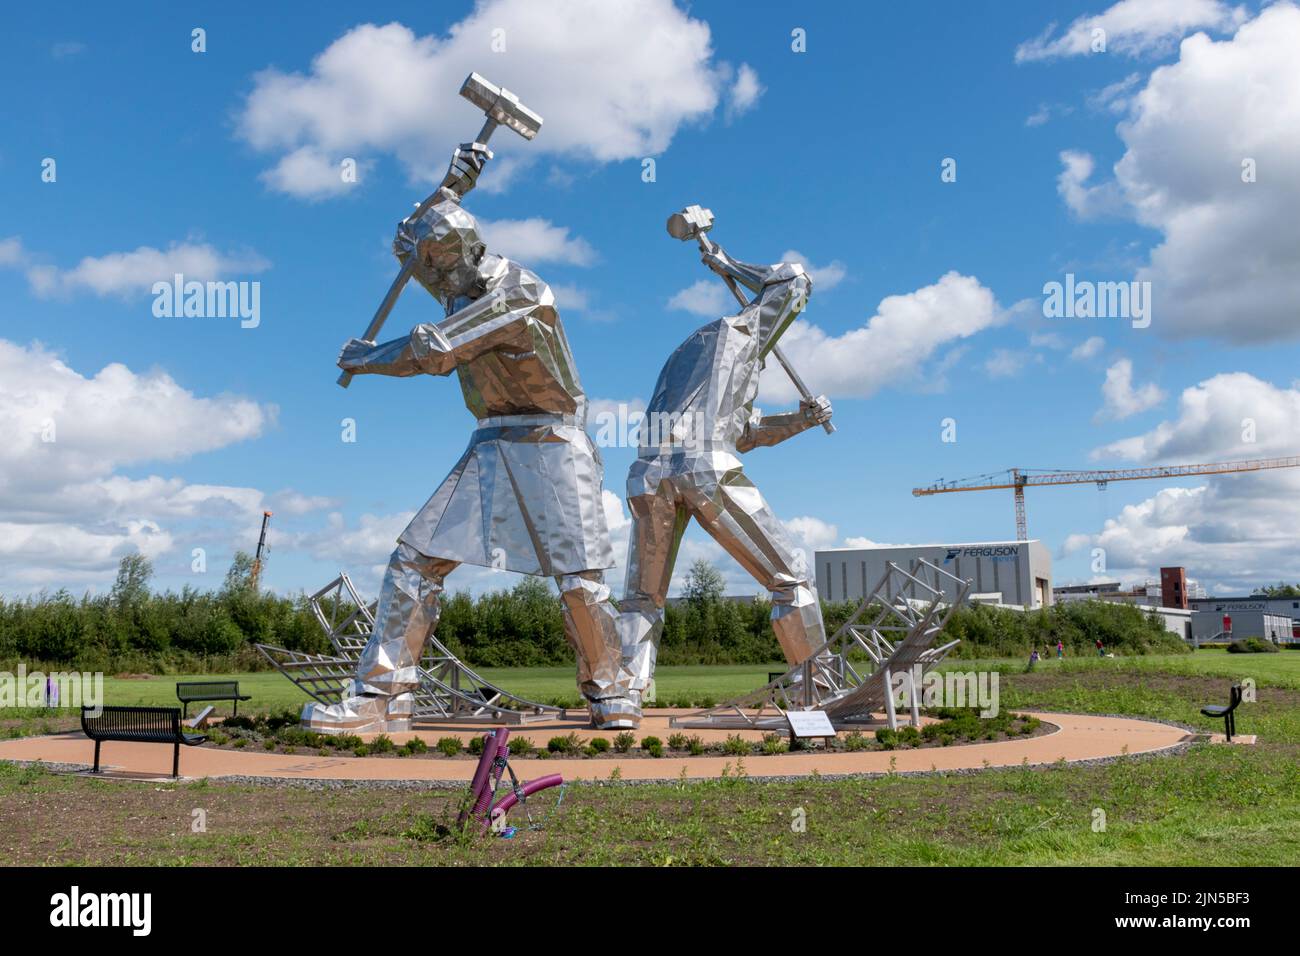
385, 307
799, 385
395, 290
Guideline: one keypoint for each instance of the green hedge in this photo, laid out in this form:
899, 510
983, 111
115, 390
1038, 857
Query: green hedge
192, 631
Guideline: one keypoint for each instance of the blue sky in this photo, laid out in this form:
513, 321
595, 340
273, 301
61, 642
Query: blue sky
223, 161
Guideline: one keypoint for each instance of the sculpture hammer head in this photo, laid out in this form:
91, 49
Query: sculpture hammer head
501, 106
691, 223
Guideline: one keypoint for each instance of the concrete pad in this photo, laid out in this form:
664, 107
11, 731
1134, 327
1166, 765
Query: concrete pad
1077, 737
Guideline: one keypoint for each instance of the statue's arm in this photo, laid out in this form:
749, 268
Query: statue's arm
490, 322
782, 291
774, 429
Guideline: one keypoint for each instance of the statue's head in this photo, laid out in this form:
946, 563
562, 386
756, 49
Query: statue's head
447, 248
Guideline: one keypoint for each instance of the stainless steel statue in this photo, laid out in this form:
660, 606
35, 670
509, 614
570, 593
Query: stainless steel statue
698, 422
526, 494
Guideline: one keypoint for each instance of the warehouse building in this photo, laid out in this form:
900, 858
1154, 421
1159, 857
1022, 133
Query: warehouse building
1238, 624
1287, 607
1002, 572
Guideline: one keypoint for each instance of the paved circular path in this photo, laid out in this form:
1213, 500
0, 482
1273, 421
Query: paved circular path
1077, 737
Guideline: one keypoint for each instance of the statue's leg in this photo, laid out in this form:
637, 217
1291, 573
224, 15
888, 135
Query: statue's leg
658, 522
380, 697
591, 628
733, 511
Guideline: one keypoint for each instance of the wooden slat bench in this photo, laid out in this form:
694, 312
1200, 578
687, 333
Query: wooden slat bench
156, 725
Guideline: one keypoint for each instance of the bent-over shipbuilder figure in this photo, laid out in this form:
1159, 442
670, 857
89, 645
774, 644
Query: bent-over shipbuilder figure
698, 422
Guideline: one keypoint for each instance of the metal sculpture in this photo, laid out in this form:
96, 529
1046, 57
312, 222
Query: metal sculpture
853, 676
449, 690
698, 422
526, 494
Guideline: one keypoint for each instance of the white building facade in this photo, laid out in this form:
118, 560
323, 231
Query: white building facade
1016, 572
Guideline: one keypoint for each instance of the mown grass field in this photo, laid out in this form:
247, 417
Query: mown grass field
272, 692
1214, 805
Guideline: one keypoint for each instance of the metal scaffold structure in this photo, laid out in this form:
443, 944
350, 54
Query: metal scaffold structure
849, 678
449, 690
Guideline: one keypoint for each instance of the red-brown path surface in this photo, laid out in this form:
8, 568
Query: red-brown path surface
1077, 737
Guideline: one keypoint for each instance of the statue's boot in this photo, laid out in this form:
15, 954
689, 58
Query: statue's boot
361, 714
616, 713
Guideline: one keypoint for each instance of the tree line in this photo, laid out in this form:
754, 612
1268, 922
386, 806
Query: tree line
134, 629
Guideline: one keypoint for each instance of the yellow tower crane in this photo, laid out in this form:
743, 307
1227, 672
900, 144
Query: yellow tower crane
1018, 479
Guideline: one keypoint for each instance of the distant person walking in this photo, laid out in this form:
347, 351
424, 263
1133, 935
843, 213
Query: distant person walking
1060, 650
1101, 650
1033, 659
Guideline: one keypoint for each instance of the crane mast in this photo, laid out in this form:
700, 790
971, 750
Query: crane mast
258, 559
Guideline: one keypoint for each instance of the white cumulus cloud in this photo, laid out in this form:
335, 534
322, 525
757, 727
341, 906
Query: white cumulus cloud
530, 241
1233, 532
1211, 142
130, 273
892, 347
1134, 28
612, 79
1090, 347
1121, 398
66, 514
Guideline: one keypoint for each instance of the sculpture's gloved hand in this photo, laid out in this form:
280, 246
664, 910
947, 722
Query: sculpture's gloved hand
354, 355
466, 164
717, 260
818, 411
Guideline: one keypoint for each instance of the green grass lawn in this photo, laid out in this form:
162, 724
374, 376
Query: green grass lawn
1214, 805
271, 692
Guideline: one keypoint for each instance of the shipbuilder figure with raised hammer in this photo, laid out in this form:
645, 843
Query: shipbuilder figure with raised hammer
698, 422
526, 494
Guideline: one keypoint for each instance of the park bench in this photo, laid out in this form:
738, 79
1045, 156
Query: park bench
1229, 721
190, 692
155, 725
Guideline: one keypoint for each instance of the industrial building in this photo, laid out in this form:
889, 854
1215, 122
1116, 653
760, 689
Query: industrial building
1174, 590
1237, 625
1003, 572
1286, 607
1185, 610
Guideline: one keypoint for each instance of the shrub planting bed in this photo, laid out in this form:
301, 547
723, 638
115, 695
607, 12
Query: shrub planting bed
280, 733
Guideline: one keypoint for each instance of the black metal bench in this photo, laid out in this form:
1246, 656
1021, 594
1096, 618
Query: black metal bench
189, 692
1229, 721
154, 725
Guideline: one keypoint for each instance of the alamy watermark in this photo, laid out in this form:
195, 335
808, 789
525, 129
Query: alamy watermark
208, 300
60, 689
629, 427
74, 908
1084, 299
956, 689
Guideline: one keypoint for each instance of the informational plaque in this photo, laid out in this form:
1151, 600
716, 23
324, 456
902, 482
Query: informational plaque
809, 723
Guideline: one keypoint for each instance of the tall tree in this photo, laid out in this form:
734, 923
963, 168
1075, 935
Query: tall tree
240, 576
132, 585
704, 584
